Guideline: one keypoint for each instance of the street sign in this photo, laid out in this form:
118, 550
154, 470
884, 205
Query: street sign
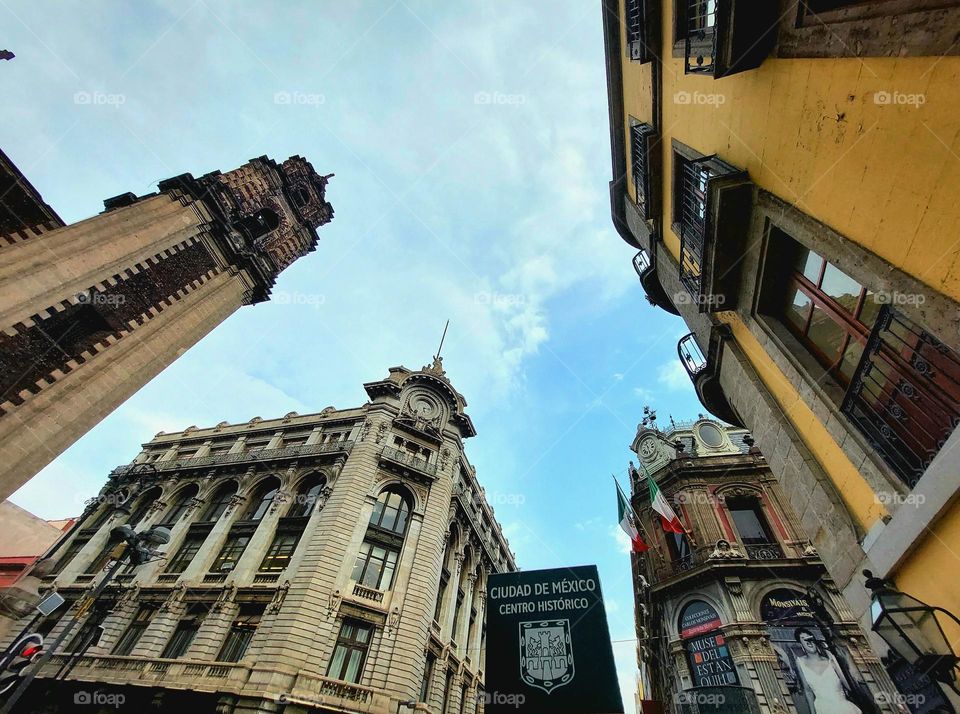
548, 646
50, 603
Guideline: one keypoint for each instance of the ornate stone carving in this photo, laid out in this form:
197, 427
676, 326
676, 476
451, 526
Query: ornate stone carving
381, 432
444, 457
333, 602
278, 597
194, 503
156, 506
725, 550
227, 595
174, 598
236, 500
365, 429
281, 498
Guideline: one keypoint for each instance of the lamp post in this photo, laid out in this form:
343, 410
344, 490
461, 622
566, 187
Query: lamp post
137, 548
912, 630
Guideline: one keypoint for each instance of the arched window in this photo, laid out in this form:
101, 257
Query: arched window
147, 499
108, 504
181, 502
380, 551
219, 502
391, 511
258, 224
261, 499
306, 497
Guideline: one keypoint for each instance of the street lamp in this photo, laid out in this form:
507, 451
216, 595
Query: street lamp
911, 629
137, 548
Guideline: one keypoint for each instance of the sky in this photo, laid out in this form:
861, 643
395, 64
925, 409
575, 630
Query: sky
470, 144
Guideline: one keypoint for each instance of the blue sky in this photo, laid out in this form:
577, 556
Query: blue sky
470, 146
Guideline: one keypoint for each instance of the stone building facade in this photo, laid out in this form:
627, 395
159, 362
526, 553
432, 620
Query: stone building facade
779, 169
334, 561
722, 610
91, 311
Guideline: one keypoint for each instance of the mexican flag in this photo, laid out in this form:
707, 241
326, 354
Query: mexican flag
669, 520
628, 524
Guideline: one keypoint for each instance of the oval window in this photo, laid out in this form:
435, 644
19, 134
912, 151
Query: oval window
710, 435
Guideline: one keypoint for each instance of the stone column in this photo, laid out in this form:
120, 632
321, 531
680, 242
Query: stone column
214, 542
253, 554
453, 588
462, 637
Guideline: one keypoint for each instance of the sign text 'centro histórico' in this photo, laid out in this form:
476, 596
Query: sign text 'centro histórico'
548, 646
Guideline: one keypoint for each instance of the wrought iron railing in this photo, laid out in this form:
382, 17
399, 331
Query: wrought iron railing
693, 223
289, 452
408, 459
764, 551
905, 394
691, 356
639, 154
700, 43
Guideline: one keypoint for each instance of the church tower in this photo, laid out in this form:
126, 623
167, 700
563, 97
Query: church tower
91, 311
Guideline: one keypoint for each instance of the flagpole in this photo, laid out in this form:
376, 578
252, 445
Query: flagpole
686, 531
650, 541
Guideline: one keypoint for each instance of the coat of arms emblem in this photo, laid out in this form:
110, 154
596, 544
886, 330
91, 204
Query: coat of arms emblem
546, 654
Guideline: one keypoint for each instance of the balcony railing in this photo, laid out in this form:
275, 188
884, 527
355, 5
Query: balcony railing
764, 551
641, 26
134, 668
905, 394
700, 42
407, 459
691, 356
641, 262
366, 593
289, 452
644, 150
712, 555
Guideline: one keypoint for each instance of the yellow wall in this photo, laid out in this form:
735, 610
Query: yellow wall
810, 131
931, 573
886, 176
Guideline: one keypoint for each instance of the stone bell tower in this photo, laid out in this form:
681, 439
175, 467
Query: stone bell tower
91, 311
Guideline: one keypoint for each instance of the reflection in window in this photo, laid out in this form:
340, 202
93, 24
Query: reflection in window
390, 512
375, 566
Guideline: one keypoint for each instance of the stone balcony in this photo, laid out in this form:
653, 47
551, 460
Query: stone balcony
402, 461
235, 678
261, 456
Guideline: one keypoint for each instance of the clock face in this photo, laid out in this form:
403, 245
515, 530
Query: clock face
423, 407
648, 449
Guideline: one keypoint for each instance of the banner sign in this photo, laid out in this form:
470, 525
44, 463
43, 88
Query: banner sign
784, 604
698, 618
548, 646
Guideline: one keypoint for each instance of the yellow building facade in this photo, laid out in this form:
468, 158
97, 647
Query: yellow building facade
788, 175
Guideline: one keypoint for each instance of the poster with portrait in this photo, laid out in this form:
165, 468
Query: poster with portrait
818, 682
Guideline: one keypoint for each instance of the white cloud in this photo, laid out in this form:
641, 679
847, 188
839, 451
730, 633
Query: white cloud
673, 377
644, 394
623, 541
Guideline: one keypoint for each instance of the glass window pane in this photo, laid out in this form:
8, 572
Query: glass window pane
841, 287
749, 526
336, 664
826, 334
870, 310
812, 266
371, 577
798, 310
353, 667
851, 358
